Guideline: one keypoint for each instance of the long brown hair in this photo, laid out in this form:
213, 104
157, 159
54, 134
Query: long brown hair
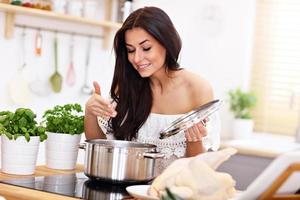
131, 91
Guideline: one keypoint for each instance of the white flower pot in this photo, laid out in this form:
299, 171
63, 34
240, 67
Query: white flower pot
242, 128
62, 150
19, 156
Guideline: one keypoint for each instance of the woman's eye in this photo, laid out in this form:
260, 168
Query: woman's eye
147, 49
130, 51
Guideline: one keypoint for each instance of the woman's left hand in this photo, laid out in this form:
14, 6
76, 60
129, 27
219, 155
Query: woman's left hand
196, 132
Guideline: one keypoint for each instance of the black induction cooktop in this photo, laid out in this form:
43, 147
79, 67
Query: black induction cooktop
74, 185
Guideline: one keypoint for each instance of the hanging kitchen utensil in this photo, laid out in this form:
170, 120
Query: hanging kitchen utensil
71, 76
86, 89
191, 118
56, 79
38, 86
38, 43
18, 86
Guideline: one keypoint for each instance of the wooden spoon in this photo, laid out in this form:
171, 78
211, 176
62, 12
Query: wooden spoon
56, 79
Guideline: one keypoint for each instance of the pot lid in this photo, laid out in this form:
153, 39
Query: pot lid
190, 119
119, 143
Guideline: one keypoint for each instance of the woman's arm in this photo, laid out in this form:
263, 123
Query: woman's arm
194, 148
91, 127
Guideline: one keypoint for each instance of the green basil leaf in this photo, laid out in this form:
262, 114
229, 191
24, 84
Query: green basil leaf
27, 137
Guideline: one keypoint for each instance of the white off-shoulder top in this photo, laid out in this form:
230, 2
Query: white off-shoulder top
175, 146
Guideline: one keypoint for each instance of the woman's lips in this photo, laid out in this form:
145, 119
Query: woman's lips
141, 67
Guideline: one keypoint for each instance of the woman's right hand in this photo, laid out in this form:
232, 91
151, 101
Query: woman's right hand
98, 106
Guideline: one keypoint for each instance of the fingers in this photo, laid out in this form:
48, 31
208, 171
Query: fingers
107, 110
206, 120
102, 107
102, 113
104, 104
97, 87
99, 106
196, 133
202, 129
192, 135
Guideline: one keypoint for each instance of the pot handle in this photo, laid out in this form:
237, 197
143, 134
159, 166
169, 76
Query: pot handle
153, 155
82, 146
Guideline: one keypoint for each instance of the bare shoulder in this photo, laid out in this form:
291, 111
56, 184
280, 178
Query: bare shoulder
198, 87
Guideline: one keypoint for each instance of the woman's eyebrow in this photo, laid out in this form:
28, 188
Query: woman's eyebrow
139, 43
143, 42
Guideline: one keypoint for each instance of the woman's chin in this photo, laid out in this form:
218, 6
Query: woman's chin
144, 75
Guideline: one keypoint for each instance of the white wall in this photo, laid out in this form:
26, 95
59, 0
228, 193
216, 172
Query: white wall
216, 37
101, 67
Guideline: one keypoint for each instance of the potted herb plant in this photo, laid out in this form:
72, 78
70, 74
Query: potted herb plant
20, 137
64, 126
241, 105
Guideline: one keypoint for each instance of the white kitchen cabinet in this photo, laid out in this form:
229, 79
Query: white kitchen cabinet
244, 168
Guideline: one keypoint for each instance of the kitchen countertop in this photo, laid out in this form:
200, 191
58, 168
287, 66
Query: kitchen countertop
11, 192
262, 144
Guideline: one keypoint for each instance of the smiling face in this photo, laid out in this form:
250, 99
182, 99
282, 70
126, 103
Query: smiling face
144, 52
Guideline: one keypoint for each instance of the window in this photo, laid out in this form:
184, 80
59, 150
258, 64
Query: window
276, 66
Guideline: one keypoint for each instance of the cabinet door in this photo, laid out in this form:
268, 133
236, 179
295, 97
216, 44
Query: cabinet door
244, 168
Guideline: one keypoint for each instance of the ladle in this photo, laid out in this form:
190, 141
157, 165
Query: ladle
86, 89
39, 86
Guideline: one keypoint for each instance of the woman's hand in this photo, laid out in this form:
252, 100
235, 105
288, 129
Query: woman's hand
98, 106
194, 137
196, 132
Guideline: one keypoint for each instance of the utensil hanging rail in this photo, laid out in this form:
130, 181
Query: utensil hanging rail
59, 31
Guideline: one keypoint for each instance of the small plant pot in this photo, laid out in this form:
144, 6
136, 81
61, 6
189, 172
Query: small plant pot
19, 156
242, 128
62, 150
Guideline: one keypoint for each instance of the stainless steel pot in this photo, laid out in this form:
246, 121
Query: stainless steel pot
119, 161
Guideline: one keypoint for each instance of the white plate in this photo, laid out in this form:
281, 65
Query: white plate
140, 192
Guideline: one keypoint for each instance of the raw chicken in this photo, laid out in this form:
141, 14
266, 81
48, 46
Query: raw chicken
196, 178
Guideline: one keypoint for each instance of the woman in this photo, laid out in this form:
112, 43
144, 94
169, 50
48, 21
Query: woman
149, 89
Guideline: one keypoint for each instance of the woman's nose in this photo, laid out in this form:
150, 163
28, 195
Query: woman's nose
138, 56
